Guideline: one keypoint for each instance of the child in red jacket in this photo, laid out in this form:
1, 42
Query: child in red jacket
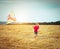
36, 28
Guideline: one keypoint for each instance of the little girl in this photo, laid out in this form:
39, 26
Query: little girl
36, 28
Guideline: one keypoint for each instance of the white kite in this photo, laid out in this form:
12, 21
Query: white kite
11, 17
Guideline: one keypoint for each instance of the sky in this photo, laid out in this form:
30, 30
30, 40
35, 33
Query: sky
31, 10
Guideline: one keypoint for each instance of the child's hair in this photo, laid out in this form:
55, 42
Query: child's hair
37, 23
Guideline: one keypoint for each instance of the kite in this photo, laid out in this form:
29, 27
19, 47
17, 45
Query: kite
11, 17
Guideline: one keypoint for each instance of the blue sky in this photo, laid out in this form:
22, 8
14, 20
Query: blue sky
31, 10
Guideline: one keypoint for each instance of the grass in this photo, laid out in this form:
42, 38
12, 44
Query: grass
22, 37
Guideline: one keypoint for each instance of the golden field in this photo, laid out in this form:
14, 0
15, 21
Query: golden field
22, 37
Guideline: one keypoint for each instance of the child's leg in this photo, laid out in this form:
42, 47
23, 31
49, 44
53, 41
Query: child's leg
35, 35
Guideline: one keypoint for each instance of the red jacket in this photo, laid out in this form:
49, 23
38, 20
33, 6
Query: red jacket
36, 27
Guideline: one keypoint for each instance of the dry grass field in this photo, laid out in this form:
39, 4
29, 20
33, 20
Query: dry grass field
22, 37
